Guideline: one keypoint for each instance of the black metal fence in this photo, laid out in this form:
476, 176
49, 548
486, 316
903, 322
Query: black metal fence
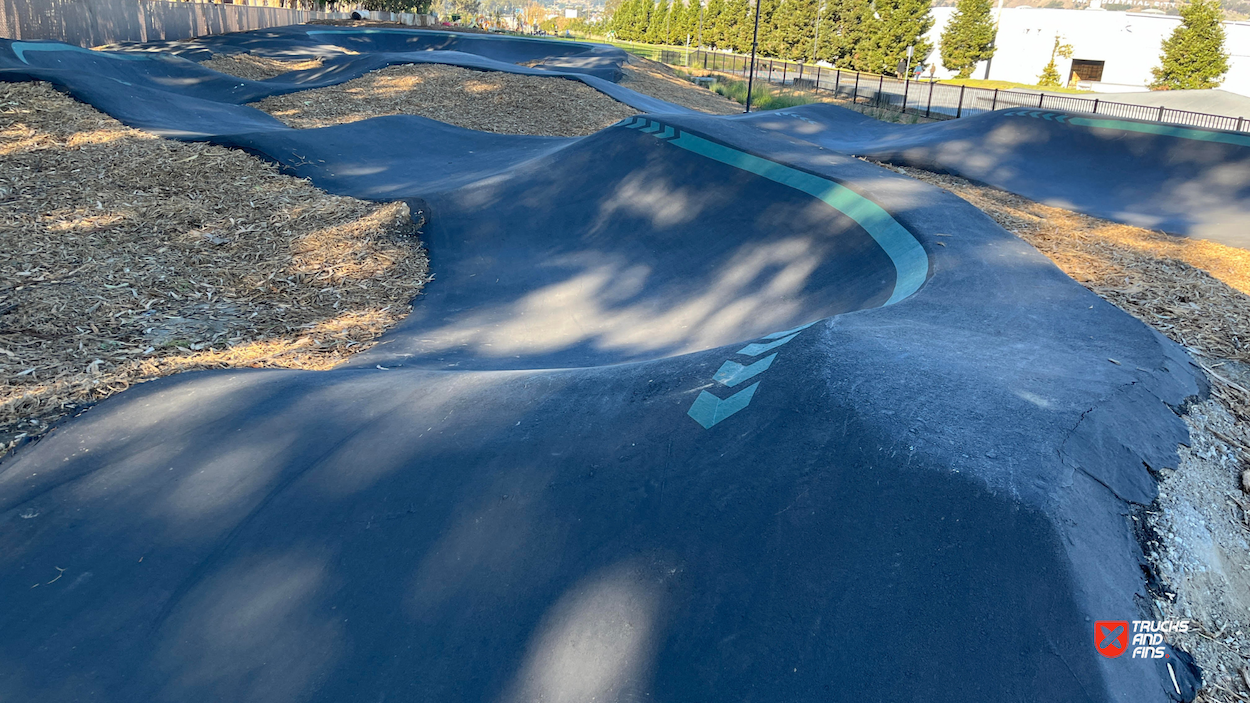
926, 98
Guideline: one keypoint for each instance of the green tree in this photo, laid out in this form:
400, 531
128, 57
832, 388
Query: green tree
694, 18
767, 39
968, 37
642, 19
736, 26
656, 23
900, 24
466, 10
621, 22
687, 26
794, 24
639, 20
1194, 57
666, 28
847, 28
713, 19
1050, 75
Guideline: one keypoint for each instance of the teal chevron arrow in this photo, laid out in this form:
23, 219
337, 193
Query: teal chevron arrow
789, 332
652, 128
708, 410
668, 133
732, 373
757, 348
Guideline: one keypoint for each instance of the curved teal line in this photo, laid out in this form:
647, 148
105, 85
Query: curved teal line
21, 47
911, 263
1201, 135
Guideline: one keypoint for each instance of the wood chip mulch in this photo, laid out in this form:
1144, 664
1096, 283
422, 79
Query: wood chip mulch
257, 68
488, 101
125, 257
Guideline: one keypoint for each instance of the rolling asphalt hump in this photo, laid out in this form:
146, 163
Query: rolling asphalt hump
695, 409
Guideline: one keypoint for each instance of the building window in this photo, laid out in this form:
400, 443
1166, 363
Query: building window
1083, 70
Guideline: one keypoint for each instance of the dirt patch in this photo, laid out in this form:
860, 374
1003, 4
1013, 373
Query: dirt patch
489, 101
659, 81
124, 257
257, 68
1198, 294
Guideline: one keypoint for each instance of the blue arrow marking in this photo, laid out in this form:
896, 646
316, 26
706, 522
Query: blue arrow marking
708, 410
652, 128
668, 133
790, 331
732, 373
758, 348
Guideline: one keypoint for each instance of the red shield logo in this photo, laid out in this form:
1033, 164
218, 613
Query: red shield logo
1111, 637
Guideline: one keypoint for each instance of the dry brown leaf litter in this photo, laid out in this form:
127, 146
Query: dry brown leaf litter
659, 81
1197, 293
257, 68
489, 101
124, 257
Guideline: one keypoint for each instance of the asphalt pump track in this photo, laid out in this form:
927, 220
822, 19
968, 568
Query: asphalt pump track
697, 408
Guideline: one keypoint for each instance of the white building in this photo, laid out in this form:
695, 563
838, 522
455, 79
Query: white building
1116, 50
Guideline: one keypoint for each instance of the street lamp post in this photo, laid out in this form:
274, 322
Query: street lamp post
699, 41
755, 40
816, 39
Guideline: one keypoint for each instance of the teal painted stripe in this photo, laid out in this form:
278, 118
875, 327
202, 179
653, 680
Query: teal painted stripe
1201, 135
708, 410
758, 348
731, 373
21, 47
911, 264
790, 331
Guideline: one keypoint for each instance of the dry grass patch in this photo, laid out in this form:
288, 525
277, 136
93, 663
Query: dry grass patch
1198, 294
257, 68
659, 81
124, 257
1194, 291
489, 101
